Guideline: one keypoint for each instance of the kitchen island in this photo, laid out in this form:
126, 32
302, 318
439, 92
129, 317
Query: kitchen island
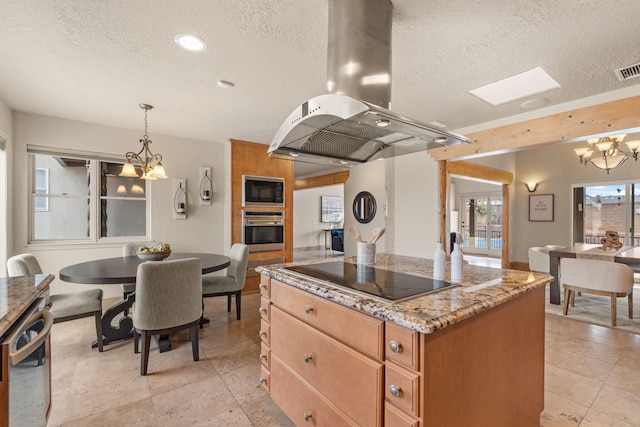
465, 355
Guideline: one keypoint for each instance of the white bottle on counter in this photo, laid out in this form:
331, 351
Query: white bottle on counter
456, 264
439, 262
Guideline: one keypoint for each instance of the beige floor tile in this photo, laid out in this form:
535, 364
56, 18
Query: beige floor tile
618, 404
579, 388
264, 412
243, 383
561, 412
139, 413
199, 402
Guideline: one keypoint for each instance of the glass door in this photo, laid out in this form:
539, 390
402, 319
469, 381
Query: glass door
481, 224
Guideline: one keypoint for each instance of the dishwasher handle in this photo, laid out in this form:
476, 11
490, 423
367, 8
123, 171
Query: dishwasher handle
19, 355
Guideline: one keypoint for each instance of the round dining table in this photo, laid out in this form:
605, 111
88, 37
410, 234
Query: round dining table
120, 270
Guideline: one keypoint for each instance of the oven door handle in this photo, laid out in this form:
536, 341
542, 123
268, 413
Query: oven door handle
18, 356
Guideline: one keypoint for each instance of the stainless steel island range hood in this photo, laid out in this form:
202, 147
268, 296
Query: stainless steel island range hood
353, 124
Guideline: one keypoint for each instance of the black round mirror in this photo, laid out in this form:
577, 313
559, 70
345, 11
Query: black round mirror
364, 207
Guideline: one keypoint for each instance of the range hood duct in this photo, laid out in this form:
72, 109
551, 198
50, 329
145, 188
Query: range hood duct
352, 124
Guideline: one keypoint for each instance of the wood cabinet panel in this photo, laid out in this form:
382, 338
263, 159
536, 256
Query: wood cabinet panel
265, 309
265, 286
402, 388
345, 376
265, 355
365, 333
265, 378
302, 404
394, 417
402, 345
265, 332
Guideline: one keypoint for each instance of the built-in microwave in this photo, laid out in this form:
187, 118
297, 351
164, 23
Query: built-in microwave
262, 191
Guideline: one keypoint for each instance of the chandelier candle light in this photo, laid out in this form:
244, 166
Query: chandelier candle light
150, 164
606, 154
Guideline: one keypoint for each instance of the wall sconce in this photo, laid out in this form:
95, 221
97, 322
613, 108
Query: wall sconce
180, 199
206, 186
531, 186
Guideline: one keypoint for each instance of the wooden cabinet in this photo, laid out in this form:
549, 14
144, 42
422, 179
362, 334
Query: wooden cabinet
326, 364
336, 369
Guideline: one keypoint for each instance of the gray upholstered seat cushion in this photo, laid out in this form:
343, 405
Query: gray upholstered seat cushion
76, 303
128, 287
219, 284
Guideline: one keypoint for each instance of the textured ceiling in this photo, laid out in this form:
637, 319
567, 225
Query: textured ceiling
95, 61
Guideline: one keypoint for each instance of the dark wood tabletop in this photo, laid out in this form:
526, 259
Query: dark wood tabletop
115, 271
630, 257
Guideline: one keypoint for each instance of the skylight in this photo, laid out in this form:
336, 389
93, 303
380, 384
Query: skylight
532, 82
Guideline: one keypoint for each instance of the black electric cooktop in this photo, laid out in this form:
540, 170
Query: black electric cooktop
388, 285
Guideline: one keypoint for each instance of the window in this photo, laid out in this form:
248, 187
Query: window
80, 197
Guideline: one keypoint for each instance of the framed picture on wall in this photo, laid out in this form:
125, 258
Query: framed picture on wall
331, 209
541, 207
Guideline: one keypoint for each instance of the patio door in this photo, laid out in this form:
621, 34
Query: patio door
481, 224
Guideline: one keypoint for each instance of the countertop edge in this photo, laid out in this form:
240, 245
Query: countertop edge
398, 312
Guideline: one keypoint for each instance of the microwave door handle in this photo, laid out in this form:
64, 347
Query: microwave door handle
18, 356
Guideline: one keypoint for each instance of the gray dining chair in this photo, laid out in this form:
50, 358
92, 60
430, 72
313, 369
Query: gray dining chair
130, 249
65, 306
168, 299
232, 282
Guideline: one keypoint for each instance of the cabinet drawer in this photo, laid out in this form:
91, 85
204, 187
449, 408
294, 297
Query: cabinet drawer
265, 378
394, 417
265, 332
402, 345
304, 405
265, 355
265, 309
264, 286
349, 379
331, 318
402, 388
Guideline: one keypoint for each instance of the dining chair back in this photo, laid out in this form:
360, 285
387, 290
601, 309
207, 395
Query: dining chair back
168, 299
539, 258
232, 282
65, 306
600, 278
130, 249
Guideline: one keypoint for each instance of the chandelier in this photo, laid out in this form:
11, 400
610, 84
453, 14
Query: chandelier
606, 153
150, 164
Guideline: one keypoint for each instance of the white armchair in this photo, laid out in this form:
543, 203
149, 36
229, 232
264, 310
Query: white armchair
539, 258
600, 278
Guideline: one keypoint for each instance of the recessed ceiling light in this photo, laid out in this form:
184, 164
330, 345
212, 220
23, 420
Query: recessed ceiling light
190, 42
225, 84
437, 124
382, 123
520, 86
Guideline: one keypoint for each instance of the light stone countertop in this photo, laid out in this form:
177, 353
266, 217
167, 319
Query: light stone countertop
482, 288
17, 294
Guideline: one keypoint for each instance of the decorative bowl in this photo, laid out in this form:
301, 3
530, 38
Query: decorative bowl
153, 256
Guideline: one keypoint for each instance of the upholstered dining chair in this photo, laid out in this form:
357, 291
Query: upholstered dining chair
539, 258
232, 282
600, 278
168, 299
130, 249
65, 306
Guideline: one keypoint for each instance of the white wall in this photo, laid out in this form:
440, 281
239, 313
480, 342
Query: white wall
6, 133
307, 228
369, 177
205, 229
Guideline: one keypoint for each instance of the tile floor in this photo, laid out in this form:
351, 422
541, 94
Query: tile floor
592, 376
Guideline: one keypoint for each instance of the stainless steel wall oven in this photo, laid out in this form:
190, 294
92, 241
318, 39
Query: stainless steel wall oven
263, 231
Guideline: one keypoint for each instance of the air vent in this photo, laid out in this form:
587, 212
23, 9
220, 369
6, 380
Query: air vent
627, 73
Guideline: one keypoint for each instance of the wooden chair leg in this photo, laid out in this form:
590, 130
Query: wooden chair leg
98, 316
195, 348
567, 297
238, 299
614, 311
630, 299
144, 358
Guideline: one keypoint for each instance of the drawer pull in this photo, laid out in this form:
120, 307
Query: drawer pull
395, 390
261, 286
262, 357
306, 416
395, 346
307, 358
262, 310
308, 309
263, 381
262, 334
